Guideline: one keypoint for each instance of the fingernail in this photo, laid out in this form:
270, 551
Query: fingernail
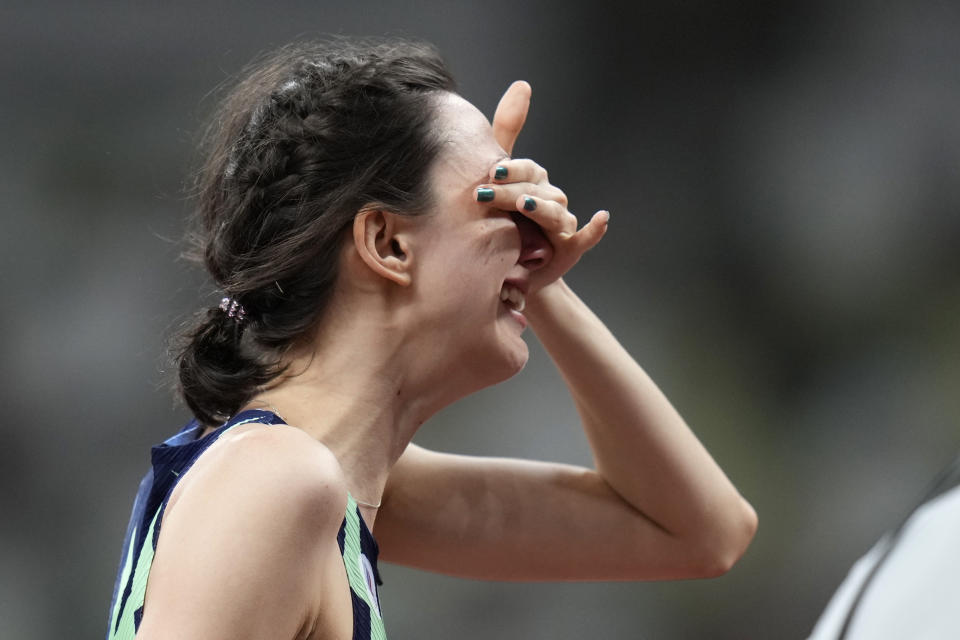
500, 173
529, 204
484, 194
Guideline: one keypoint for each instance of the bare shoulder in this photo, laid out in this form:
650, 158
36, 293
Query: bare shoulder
252, 535
277, 468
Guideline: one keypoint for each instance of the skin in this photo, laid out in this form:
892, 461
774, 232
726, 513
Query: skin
250, 531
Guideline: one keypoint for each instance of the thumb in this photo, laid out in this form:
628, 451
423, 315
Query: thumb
511, 113
593, 231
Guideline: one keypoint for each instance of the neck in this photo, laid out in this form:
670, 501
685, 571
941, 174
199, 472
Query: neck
362, 389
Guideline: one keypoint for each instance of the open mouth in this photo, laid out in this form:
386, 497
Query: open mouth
513, 297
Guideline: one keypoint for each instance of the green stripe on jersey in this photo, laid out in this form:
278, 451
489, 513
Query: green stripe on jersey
355, 570
126, 630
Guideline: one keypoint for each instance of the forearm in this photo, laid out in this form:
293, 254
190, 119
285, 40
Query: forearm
641, 445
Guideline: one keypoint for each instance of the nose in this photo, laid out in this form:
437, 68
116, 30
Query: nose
535, 250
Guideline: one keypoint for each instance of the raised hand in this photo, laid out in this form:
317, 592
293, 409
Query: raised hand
523, 185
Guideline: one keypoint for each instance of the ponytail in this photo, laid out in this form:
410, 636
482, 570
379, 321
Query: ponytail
217, 372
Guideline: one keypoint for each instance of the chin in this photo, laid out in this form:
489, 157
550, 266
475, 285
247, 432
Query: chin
520, 359
496, 364
514, 356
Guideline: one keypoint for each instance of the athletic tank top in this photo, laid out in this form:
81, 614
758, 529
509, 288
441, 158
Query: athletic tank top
169, 462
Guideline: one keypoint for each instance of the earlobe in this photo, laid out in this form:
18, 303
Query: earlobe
382, 245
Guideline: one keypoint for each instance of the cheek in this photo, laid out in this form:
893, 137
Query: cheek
496, 248
449, 283
476, 256
496, 243
464, 264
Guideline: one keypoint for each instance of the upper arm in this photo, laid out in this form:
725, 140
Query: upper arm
250, 544
506, 519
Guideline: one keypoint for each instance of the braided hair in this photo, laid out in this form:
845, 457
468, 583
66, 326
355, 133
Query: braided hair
314, 132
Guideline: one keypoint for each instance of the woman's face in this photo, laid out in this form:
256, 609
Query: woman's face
470, 253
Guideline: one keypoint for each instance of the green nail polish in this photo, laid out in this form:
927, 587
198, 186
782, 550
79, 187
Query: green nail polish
484, 194
529, 204
500, 173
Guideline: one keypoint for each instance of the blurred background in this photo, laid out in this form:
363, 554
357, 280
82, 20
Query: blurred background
784, 182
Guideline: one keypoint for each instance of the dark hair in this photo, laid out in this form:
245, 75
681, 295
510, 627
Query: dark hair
312, 134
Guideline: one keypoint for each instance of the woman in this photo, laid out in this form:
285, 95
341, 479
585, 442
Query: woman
381, 255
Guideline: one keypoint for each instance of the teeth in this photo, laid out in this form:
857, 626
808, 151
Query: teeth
516, 297
513, 296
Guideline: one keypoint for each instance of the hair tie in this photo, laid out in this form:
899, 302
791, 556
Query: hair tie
233, 309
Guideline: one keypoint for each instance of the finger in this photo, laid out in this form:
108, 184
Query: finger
511, 113
552, 216
506, 195
591, 233
519, 170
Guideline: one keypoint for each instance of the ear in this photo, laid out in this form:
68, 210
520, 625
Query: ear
382, 245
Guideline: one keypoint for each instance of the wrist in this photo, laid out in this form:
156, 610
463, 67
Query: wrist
545, 301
